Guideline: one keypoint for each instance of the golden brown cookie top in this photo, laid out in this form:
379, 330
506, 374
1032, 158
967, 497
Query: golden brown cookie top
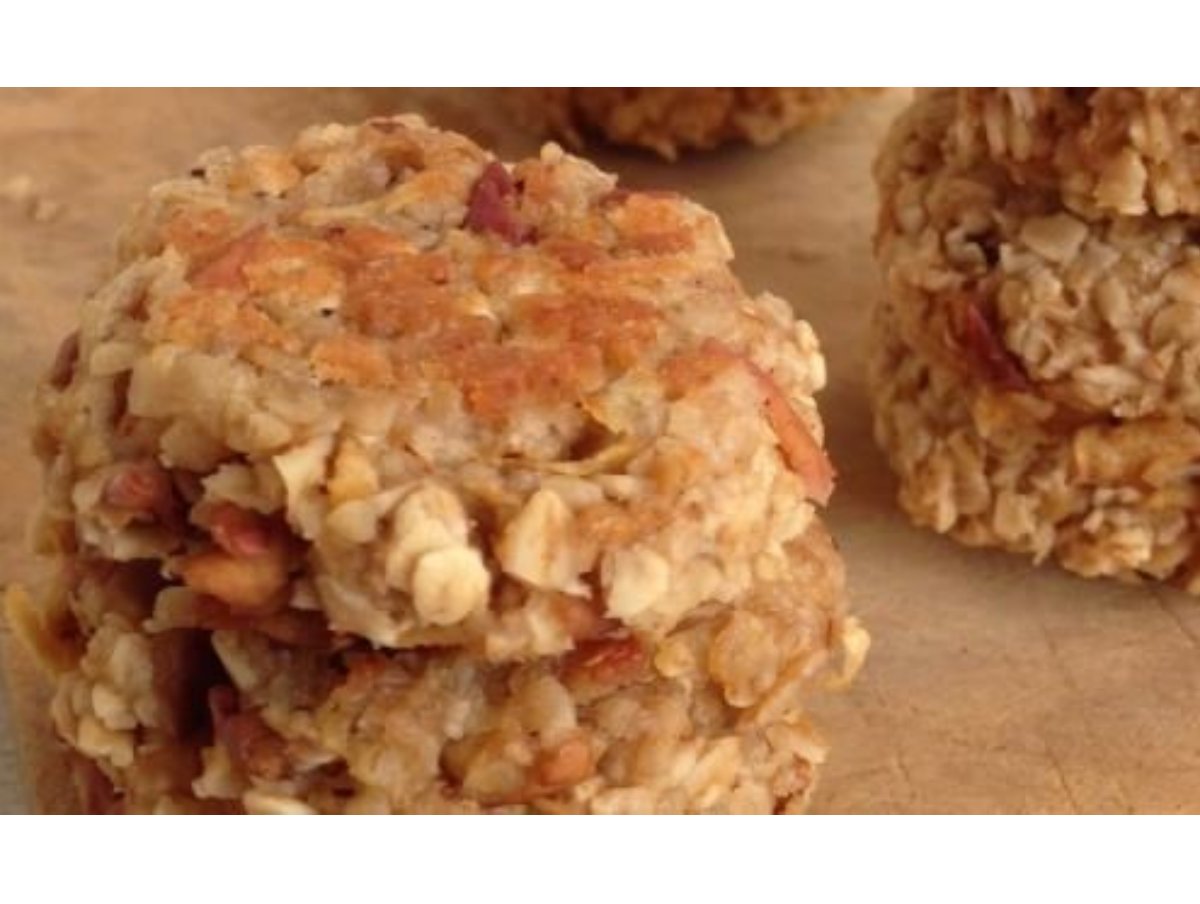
445, 400
394, 256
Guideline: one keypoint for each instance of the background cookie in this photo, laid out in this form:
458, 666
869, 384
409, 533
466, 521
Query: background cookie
671, 120
1033, 371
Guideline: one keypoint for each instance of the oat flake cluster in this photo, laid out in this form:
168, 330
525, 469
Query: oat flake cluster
1036, 363
385, 477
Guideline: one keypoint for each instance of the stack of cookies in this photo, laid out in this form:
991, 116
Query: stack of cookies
1035, 366
387, 477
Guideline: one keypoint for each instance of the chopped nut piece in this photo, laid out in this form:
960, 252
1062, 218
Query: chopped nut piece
450, 584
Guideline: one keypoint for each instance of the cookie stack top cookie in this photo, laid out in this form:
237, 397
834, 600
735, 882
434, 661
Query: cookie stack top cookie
1012, 272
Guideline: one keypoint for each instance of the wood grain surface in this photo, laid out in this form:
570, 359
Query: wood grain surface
992, 686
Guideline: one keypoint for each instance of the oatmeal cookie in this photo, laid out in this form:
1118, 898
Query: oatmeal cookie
1033, 371
670, 120
385, 476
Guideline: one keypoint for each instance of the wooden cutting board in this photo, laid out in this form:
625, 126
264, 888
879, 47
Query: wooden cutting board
992, 686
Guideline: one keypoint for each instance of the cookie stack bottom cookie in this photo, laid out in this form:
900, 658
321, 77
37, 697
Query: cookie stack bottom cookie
992, 467
706, 720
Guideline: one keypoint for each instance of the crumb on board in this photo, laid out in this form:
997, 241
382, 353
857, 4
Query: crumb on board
22, 191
